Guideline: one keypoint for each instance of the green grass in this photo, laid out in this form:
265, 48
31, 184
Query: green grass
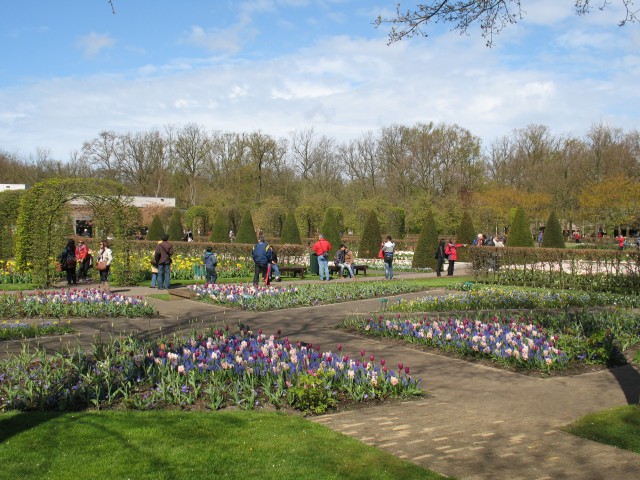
173, 444
636, 357
619, 427
12, 287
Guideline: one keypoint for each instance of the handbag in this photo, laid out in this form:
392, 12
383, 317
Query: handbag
380, 254
101, 266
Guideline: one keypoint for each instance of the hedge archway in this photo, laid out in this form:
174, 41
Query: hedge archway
42, 223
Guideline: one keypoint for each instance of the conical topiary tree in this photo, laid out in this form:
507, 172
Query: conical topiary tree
156, 230
246, 231
552, 237
219, 233
424, 254
466, 232
331, 230
371, 237
519, 233
175, 230
290, 232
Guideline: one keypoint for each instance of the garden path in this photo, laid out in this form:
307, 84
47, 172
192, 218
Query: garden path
477, 422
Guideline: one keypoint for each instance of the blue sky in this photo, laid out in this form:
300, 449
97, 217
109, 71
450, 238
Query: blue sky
70, 69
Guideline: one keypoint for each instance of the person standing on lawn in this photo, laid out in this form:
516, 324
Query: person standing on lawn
163, 254
321, 249
262, 258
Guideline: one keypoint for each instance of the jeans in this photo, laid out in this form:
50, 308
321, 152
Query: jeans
388, 268
275, 270
154, 278
323, 267
348, 267
211, 276
164, 275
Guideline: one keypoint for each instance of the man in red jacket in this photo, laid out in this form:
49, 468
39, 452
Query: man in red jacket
321, 249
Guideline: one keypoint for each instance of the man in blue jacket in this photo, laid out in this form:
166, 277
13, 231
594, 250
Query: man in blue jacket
262, 258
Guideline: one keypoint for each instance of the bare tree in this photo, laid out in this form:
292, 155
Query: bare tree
192, 150
492, 16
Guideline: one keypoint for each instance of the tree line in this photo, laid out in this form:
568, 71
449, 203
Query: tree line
589, 180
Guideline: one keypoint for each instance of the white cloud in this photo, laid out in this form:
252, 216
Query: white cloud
93, 43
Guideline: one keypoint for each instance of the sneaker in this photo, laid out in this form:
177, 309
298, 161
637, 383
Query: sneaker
278, 279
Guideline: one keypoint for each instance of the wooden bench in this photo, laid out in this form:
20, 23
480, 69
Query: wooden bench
356, 268
293, 271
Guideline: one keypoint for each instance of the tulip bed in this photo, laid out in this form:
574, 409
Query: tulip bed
73, 303
512, 298
13, 331
246, 370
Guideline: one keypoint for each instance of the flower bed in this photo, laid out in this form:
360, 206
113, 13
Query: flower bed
271, 297
246, 370
499, 297
506, 340
73, 303
12, 331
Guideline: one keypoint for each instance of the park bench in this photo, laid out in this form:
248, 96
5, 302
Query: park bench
293, 271
356, 268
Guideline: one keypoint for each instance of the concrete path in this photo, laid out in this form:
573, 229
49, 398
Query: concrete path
475, 423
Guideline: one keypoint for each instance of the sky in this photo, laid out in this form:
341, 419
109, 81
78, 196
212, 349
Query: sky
70, 69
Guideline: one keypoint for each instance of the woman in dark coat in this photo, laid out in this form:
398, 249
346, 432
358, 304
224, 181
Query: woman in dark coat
68, 261
440, 256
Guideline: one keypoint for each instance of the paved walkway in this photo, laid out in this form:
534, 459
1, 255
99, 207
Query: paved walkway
475, 423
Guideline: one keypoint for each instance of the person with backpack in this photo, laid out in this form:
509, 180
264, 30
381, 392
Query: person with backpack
68, 262
388, 248
163, 253
210, 263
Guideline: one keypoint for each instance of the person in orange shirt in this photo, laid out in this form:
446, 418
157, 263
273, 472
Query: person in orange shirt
321, 249
82, 257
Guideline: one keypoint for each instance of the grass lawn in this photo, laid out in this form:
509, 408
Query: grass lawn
174, 444
13, 287
619, 427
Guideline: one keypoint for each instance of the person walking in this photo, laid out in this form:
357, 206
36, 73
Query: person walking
105, 259
163, 254
210, 263
321, 249
68, 262
440, 257
388, 248
261, 258
451, 251
82, 257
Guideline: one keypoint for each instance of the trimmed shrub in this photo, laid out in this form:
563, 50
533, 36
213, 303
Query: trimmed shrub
371, 237
519, 233
424, 254
466, 232
552, 237
219, 232
246, 232
9, 206
175, 230
396, 222
156, 230
290, 232
331, 230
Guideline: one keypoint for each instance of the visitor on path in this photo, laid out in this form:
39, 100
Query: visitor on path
210, 263
321, 249
440, 257
105, 257
275, 269
83, 258
262, 258
154, 269
451, 251
621, 241
388, 249
68, 262
232, 236
540, 238
163, 254
340, 260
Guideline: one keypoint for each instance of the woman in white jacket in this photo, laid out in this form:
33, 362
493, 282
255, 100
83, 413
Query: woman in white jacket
105, 256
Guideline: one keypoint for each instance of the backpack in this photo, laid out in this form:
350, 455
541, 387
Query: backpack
70, 260
210, 262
